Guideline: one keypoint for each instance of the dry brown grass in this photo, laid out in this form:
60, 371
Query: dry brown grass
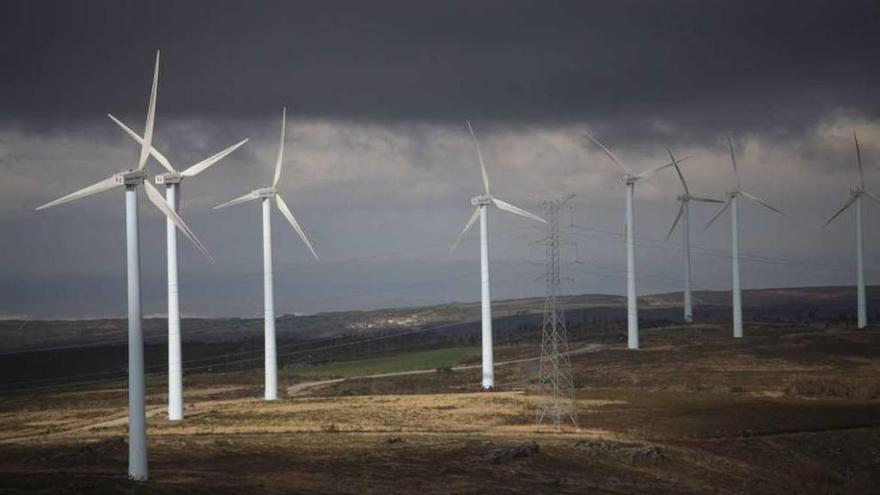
771, 414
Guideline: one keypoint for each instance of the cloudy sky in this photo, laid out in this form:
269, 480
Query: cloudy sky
379, 167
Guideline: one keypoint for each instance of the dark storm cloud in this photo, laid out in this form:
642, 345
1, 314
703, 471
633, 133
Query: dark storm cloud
379, 168
700, 65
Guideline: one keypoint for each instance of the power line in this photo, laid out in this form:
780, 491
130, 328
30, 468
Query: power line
705, 251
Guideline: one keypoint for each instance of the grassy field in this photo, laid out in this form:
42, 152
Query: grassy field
409, 361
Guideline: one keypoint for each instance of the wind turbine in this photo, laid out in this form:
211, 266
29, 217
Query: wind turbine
732, 203
684, 215
856, 197
632, 315
172, 180
131, 179
481, 211
265, 194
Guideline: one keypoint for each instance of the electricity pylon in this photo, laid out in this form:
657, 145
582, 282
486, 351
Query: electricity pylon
555, 383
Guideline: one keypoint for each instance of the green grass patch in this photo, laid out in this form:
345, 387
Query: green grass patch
408, 361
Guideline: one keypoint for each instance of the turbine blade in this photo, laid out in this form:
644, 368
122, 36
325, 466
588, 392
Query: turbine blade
677, 218
678, 171
733, 160
705, 200
104, 185
280, 148
761, 201
840, 211
241, 199
153, 151
658, 168
479, 156
147, 143
474, 216
859, 159
157, 199
872, 196
207, 162
608, 153
289, 216
718, 214
516, 210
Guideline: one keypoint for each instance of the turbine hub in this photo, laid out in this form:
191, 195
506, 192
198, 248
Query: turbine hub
131, 177
629, 179
169, 178
481, 200
684, 197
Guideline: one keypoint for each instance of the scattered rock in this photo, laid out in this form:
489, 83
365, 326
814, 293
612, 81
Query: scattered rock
833, 389
630, 453
648, 454
504, 454
393, 440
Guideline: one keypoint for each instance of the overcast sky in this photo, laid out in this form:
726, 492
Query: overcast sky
379, 168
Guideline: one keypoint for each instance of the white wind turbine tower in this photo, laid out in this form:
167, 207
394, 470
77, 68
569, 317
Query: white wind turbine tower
131, 179
632, 315
732, 203
684, 214
856, 197
265, 194
172, 180
481, 211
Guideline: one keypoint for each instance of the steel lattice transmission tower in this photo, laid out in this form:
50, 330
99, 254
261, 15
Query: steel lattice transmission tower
555, 383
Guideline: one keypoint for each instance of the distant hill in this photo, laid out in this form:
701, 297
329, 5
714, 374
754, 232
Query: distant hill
783, 304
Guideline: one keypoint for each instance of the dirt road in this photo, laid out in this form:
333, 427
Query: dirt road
301, 388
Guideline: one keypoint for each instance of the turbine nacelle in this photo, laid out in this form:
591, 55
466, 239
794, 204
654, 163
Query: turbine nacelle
169, 178
266, 192
483, 200
629, 179
131, 177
